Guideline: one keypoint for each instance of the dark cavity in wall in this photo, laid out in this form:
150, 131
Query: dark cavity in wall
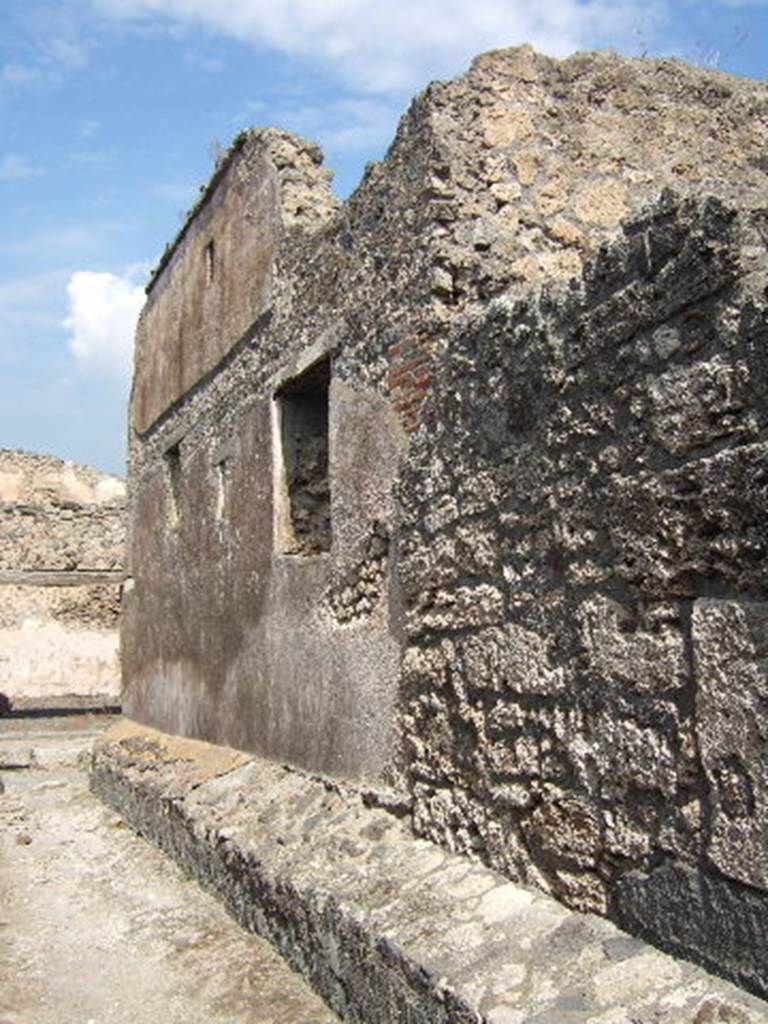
210, 262
172, 458
304, 436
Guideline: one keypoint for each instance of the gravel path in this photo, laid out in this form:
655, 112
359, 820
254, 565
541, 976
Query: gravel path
98, 927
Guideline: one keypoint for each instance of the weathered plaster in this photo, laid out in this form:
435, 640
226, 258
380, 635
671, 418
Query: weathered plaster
61, 557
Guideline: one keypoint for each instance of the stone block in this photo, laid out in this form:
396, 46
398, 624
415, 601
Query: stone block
702, 916
623, 650
14, 758
566, 829
730, 646
457, 609
633, 758
696, 528
695, 405
510, 658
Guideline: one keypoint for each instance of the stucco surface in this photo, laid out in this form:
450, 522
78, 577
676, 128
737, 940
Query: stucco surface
217, 277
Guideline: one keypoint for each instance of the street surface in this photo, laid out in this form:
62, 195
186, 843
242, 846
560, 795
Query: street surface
99, 927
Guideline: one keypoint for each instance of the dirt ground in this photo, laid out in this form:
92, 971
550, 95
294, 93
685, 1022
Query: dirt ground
97, 926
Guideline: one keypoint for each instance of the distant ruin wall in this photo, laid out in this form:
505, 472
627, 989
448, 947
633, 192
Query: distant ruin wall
585, 571
61, 556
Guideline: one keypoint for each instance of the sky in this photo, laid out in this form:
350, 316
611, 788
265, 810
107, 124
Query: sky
112, 113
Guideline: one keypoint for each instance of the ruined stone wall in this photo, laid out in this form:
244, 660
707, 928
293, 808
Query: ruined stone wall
541, 427
456, 214
61, 557
231, 632
375, 287
585, 576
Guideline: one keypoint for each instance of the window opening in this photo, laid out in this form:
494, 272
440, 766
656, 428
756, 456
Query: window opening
303, 408
173, 474
222, 482
210, 262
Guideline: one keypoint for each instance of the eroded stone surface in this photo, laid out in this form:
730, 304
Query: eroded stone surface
620, 446
543, 317
730, 643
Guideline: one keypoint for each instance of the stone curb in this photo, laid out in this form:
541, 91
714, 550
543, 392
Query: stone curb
60, 705
386, 927
59, 577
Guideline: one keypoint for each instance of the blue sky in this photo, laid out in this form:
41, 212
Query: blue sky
111, 112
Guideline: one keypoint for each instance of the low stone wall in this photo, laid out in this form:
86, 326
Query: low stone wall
384, 926
61, 557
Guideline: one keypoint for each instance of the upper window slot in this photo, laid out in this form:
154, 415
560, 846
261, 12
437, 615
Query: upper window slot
210, 262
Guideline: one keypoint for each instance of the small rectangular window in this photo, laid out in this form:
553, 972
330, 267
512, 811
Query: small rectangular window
222, 487
303, 418
210, 262
172, 458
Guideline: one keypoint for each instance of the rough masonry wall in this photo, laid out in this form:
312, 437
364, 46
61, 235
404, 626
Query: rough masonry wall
505, 177
227, 634
430, 235
61, 557
534, 162
586, 584
524, 485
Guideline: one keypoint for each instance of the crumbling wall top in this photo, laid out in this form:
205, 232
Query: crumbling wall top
305, 198
39, 479
530, 163
511, 175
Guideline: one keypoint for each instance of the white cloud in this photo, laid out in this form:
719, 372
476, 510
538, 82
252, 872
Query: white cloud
211, 65
18, 74
360, 124
16, 167
68, 54
369, 135
381, 46
103, 309
90, 240
27, 291
49, 39
88, 128
91, 158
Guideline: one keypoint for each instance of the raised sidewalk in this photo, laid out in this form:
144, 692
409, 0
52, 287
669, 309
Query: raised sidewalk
389, 929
